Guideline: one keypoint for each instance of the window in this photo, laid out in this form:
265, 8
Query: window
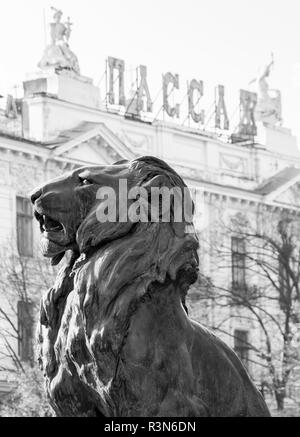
25, 330
238, 255
241, 346
24, 227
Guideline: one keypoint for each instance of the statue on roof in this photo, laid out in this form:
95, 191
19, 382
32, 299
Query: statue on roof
268, 109
58, 54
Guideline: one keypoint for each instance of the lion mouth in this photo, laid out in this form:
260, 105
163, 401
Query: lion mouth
48, 224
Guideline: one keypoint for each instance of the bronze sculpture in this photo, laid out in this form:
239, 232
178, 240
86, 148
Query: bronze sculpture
115, 337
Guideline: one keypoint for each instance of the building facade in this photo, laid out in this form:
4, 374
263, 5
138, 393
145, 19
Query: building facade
61, 123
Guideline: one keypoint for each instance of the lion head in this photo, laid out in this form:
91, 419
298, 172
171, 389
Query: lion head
66, 207
116, 263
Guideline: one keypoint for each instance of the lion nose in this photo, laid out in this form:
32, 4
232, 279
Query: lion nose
34, 196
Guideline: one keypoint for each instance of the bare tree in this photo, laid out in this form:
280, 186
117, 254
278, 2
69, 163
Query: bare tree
22, 282
264, 291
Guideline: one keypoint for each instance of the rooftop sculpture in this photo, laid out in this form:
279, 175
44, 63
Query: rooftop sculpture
58, 54
115, 337
268, 108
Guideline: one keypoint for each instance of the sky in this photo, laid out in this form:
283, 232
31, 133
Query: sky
217, 41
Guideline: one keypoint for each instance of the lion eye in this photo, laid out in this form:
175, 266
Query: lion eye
85, 181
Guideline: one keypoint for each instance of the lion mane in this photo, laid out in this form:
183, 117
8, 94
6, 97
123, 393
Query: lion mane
115, 339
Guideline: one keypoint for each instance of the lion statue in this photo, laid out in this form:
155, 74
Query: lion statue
115, 339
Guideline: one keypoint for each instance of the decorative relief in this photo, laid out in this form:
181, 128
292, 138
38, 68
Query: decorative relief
290, 196
137, 141
193, 173
186, 172
54, 169
4, 172
40, 174
24, 176
233, 163
11, 125
109, 150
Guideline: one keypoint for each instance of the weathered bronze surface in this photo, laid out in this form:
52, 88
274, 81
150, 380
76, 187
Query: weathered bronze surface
115, 337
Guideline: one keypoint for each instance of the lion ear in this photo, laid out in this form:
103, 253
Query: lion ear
163, 181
